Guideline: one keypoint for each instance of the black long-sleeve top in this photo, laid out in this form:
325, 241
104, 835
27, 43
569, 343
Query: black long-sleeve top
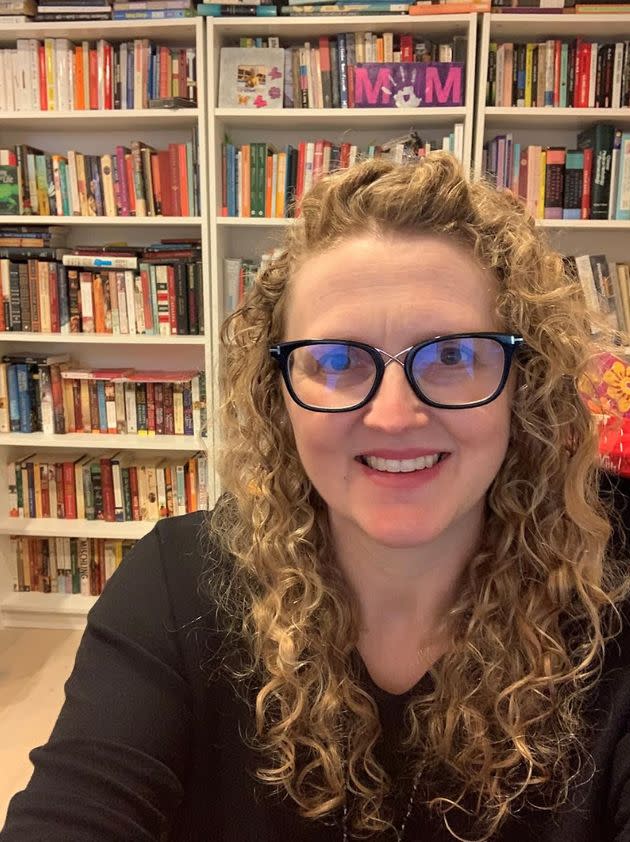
149, 743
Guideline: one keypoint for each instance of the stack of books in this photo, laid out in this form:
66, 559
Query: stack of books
554, 7
238, 8
60, 10
17, 11
346, 7
449, 7
152, 9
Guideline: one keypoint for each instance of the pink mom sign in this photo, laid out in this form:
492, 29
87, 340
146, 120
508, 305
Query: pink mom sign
430, 84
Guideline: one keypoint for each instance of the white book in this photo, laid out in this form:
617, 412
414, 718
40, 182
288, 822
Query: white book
500, 70
308, 165
130, 408
22, 69
614, 170
121, 292
83, 552
75, 201
459, 141
131, 302
124, 48
203, 497
3, 84
593, 75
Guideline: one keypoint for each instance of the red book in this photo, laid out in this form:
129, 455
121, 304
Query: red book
146, 301
133, 488
184, 205
406, 46
108, 76
107, 484
61, 512
584, 79
164, 167
130, 183
183, 75
557, 72
69, 499
43, 90
586, 184
158, 395
93, 70
151, 409
173, 178
43, 479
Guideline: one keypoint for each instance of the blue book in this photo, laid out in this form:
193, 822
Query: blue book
102, 406
130, 78
62, 298
573, 178
24, 397
14, 401
217, 10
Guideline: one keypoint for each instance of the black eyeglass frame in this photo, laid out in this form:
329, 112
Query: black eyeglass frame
510, 343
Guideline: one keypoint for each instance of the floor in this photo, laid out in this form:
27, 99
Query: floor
34, 666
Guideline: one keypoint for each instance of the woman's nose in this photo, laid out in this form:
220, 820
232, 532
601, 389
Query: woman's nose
395, 407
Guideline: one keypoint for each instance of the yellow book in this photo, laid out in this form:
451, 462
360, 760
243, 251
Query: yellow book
529, 71
37, 484
49, 55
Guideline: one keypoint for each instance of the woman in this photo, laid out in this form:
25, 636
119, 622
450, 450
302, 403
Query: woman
403, 618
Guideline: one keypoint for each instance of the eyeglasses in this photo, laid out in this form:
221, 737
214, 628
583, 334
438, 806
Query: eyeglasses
457, 371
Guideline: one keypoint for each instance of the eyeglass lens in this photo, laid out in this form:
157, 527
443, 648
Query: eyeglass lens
450, 372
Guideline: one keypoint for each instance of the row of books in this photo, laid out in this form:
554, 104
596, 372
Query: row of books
575, 73
131, 181
330, 72
590, 182
114, 487
238, 276
57, 74
606, 286
54, 397
65, 565
560, 7
49, 293
259, 181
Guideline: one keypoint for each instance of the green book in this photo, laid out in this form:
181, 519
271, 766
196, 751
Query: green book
9, 191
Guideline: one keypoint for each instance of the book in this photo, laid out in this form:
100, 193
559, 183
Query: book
251, 77
9, 191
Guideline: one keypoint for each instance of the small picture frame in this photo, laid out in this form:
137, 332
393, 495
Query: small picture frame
251, 77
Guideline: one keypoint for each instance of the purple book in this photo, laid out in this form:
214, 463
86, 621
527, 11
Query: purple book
430, 84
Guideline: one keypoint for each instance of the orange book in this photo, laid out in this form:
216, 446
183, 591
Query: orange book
99, 304
157, 187
79, 82
93, 71
184, 208
268, 184
192, 488
450, 8
380, 49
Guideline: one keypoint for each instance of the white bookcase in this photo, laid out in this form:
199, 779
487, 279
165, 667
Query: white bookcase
554, 126
242, 237
98, 132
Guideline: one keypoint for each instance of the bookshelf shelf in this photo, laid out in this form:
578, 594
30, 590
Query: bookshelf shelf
99, 339
176, 31
525, 27
552, 118
586, 224
87, 121
306, 118
126, 221
102, 441
287, 27
243, 222
46, 610
51, 527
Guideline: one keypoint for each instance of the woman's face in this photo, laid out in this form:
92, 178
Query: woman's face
393, 293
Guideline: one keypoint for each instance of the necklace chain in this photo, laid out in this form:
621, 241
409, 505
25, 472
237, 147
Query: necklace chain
400, 833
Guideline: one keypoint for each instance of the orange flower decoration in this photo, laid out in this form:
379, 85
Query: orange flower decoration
618, 379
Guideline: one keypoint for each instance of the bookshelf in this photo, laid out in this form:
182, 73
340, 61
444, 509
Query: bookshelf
249, 237
548, 126
98, 132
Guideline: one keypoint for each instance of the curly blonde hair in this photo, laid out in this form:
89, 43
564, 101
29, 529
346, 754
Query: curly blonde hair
503, 725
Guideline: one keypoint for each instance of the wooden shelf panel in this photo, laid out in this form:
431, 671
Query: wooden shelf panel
100, 339
586, 224
549, 118
525, 27
51, 527
105, 221
100, 441
390, 119
99, 121
45, 610
173, 31
288, 27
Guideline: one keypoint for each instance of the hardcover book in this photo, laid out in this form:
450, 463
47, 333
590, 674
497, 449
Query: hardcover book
409, 85
9, 201
251, 77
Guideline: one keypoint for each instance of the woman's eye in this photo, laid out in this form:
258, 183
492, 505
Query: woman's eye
335, 362
451, 356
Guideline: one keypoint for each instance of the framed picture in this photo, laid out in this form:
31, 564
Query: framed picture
251, 77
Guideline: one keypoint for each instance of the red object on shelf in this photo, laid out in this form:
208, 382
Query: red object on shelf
614, 445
